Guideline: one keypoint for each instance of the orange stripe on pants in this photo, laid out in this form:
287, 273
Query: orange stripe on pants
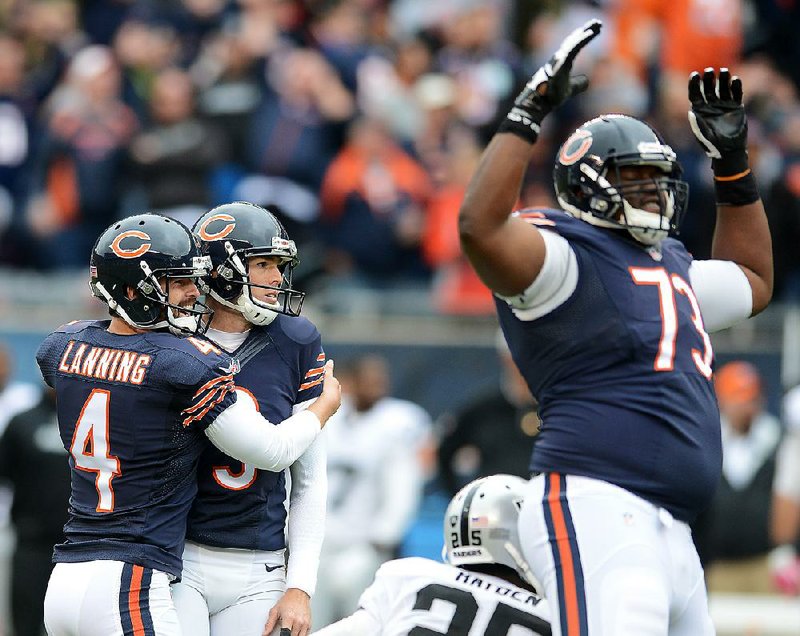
565, 556
133, 600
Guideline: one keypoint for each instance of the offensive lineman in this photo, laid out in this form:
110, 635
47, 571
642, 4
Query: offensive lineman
234, 570
484, 588
608, 319
133, 399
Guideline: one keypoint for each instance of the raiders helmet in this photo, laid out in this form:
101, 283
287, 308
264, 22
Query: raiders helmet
480, 525
587, 183
135, 253
232, 233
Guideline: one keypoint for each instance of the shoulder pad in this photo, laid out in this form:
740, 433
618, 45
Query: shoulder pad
74, 326
196, 347
298, 329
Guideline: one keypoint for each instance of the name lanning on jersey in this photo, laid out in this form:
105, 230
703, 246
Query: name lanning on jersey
103, 363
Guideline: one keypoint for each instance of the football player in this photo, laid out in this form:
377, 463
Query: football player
485, 588
137, 402
235, 578
608, 317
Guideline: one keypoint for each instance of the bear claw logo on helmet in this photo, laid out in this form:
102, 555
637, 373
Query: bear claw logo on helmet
249, 231
133, 258
589, 186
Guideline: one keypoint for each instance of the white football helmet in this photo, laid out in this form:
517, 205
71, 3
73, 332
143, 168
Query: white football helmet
480, 525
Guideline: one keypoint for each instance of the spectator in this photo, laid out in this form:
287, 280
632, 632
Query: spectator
492, 434
387, 86
785, 519
294, 135
40, 504
373, 198
16, 117
735, 554
375, 482
79, 169
174, 157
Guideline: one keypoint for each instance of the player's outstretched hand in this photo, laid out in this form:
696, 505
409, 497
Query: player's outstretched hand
550, 86
718, 120
331, 397
291, 615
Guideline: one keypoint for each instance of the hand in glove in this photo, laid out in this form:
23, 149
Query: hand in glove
550, 86
718, 120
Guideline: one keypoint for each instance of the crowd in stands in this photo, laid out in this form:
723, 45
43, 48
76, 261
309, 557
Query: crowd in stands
362, 119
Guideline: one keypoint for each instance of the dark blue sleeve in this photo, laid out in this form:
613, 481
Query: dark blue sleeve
47, 357
312, 368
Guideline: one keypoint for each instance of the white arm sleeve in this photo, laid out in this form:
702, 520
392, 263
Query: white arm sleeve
306, 525
723, 293
787, 469
555, 283
243, 433
359, 623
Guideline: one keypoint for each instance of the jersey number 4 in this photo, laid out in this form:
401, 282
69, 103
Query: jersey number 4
503, 618
665, 358
90, 448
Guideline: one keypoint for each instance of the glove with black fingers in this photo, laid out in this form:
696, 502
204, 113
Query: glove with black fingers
718, 120
550, 86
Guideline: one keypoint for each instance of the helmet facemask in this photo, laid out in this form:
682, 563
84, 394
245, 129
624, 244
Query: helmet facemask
589, 184
150, 308
233, 275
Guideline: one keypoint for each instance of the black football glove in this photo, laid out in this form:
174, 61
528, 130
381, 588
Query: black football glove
550, 86
718, 120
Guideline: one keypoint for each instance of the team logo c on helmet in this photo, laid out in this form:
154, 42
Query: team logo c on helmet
204, 233
116, 244
575, 147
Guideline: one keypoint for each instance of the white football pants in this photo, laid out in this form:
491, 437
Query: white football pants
225, 591
611, 563
109, 598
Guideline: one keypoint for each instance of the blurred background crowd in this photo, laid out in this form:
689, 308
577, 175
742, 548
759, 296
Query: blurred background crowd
363, 120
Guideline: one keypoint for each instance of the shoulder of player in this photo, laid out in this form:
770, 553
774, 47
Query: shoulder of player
406, 567
675, 246
546, 218
76, 326
297, 329
191, 349
65, 332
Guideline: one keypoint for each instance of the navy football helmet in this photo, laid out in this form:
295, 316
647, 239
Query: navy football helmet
135, 253
231, 234
589, 187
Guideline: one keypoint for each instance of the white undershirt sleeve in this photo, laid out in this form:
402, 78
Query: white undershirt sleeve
306, 524
243, 433
723, 293
556, 282
787, 469
359, 623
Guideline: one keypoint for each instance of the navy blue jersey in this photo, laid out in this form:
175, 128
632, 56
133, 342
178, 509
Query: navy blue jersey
131, 413
239, 506
622, 371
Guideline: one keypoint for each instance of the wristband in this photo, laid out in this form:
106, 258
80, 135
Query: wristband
520, 123
736, 190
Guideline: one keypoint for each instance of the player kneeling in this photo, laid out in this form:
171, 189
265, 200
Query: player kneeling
484, 589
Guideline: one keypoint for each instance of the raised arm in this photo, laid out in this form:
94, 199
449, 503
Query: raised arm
506, 252
718, 120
